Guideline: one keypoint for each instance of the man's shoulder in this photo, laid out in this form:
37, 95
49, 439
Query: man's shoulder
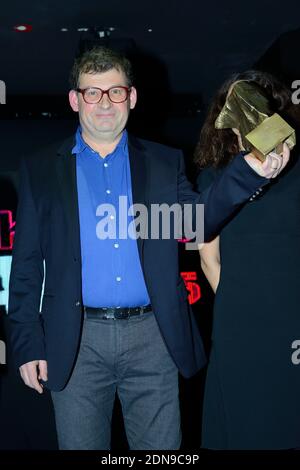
50, 151
153, 148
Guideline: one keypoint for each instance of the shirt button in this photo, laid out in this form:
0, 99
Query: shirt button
108, 191
112, 217
78, 303
116, 245
106, 165
118, 278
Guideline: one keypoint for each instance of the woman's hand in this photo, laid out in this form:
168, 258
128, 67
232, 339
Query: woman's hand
273, 164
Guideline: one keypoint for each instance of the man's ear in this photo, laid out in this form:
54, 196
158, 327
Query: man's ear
133, 97
73, 100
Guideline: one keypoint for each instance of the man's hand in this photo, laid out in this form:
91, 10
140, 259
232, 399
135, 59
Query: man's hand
32, 372
272, 165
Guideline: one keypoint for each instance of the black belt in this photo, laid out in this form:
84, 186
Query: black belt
122, 313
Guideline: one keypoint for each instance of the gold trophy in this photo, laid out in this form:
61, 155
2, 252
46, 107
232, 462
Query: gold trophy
248, 110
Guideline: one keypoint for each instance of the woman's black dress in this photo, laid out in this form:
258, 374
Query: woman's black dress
252, 395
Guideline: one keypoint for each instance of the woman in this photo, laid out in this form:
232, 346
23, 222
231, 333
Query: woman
252, 395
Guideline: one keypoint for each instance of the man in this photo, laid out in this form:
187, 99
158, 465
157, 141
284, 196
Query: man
115, 316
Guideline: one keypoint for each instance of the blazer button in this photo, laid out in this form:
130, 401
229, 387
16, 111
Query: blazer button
78, 303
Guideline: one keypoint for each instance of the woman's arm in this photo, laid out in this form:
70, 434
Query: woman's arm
210, 262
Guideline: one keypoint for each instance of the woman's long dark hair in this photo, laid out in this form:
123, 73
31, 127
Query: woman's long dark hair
216, 147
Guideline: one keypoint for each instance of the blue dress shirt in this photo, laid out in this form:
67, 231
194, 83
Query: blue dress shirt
111, 270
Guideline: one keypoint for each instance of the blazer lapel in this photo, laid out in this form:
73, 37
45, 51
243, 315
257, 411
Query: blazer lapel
139, 180
66, 169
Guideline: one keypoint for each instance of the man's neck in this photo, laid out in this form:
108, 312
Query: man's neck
104, 147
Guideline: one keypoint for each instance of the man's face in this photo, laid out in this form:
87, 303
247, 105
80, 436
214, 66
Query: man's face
103, 121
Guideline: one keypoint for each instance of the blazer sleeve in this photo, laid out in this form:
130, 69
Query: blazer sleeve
223, 195
205, 178
26, 278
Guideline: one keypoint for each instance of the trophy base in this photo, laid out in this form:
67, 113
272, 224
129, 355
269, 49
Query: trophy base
261, 157
269, 136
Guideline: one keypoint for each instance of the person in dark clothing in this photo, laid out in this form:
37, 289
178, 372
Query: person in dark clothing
253, 383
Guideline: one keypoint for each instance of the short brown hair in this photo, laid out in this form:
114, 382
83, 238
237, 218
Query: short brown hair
100, 59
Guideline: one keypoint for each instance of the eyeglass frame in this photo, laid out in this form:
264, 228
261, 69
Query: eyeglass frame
105, 92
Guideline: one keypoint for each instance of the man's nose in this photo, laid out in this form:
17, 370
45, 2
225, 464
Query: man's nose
105, 101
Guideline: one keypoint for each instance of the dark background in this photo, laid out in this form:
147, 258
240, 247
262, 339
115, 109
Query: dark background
182, 52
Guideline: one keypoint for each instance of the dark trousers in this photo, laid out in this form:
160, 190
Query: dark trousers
128, 357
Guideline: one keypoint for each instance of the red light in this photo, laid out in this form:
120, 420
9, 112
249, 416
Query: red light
6, 230
193, 288
23, 28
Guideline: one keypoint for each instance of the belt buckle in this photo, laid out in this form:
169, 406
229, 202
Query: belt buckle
119, 315
109, 314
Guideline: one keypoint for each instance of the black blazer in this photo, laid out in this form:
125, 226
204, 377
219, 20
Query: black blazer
47, 244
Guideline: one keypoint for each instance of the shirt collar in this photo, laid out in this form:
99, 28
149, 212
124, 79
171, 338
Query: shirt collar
81, 145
